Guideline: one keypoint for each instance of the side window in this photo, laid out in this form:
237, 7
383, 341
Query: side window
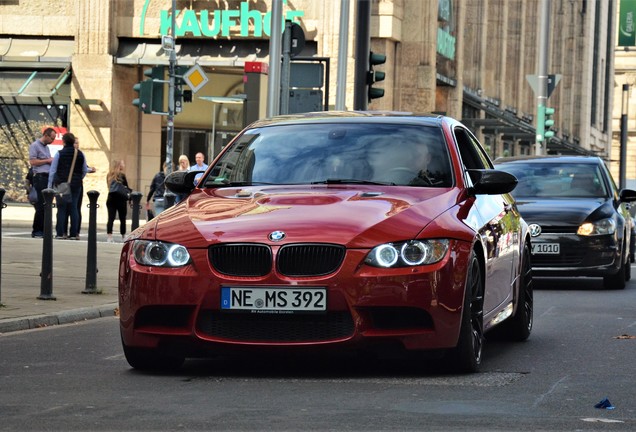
473, 155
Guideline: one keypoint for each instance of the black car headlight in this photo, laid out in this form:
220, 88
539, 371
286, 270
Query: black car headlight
408, 253
160, 254
600, 227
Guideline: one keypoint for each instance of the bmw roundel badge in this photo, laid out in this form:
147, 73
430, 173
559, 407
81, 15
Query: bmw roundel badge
276, 235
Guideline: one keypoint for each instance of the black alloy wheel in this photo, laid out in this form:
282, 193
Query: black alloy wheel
519, 326
466, 356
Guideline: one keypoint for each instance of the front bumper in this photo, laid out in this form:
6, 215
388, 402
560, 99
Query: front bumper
416, 307
579, 255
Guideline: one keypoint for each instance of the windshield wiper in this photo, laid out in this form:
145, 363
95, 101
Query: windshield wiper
225, 182
352, 181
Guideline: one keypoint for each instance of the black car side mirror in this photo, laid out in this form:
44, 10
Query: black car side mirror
491, 181
181, 182
627, 195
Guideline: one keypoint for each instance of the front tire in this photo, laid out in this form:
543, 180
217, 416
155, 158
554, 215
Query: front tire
617, 280
466, 356
148, 359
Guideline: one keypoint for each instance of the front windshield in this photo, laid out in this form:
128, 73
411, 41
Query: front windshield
389, 154
550, 180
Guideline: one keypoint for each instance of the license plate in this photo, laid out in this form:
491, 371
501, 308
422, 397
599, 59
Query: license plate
546, 248
274, 300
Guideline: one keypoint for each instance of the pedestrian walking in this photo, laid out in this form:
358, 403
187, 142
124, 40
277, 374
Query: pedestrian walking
69, 165
117, 202
40, 159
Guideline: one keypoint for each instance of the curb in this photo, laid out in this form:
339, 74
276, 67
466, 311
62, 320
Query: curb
64, 317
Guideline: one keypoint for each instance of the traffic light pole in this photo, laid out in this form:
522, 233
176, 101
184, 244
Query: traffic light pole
363, 22
542, 81
171, 73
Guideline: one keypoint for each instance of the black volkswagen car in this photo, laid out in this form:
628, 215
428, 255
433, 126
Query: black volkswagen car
578, 219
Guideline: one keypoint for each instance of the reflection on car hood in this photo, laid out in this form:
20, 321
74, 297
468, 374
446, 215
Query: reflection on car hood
562, 212
352, 215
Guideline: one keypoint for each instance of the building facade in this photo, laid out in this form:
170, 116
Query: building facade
73, 64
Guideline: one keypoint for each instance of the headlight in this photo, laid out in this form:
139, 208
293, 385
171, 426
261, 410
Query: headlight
409, 253
601, 227
160, 254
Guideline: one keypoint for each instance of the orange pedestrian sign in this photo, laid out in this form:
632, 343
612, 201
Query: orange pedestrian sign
195, 78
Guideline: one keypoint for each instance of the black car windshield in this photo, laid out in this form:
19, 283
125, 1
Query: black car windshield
320, 153
551, 180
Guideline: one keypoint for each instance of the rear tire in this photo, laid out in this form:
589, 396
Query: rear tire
519, 326
466, 356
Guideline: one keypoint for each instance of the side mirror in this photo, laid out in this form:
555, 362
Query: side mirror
491, 181
627, 195
181, 182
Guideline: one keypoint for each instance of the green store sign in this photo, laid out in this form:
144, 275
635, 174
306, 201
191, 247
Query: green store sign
446, 44
220, 22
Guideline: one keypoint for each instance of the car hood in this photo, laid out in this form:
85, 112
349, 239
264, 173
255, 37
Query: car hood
563, 212
357, 216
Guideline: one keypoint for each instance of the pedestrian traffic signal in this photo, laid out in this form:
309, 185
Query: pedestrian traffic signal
374, 76
150, 91
548, 123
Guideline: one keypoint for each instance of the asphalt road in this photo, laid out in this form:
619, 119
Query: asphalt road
74, 377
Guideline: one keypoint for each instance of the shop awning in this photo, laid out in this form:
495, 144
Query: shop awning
32, 69
18, 53
34, 83
204, 52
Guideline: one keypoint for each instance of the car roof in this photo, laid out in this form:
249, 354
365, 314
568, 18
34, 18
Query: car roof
556, 159
355, 116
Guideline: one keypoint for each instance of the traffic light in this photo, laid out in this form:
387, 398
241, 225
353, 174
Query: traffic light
150, 91
375, 76
157, 78
144, 96
548, 123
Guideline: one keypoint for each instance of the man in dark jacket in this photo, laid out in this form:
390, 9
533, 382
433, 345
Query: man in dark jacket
157, 189
61, 175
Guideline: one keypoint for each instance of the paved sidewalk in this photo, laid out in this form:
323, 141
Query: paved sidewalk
21, 284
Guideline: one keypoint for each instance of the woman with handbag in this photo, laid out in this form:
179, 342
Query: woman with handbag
118, 195
69, 166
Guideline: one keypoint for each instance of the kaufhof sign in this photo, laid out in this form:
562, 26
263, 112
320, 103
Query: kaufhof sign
219, 22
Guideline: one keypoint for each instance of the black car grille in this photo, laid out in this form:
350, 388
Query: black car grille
572, 258
552, 229
252, 260
275, 327
241, 259
309, 259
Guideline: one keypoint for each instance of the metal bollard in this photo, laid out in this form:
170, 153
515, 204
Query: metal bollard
91, 254
2, 205
135, 197
168, 199
46, 276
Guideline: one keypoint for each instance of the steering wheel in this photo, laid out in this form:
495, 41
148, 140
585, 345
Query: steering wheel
400, 175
